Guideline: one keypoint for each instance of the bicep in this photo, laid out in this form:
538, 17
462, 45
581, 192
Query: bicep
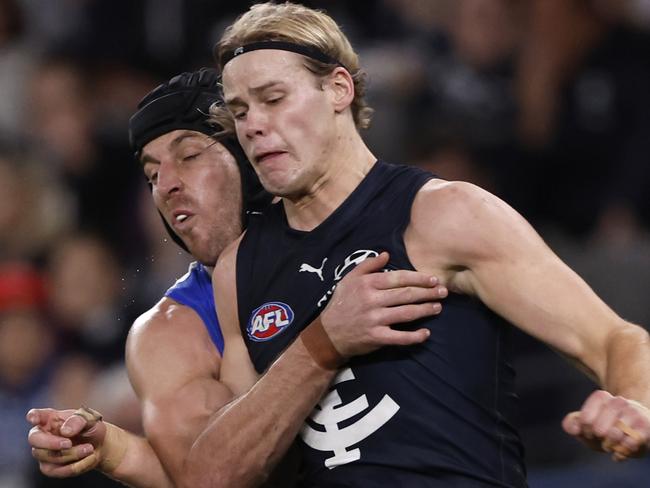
497, 256
174, 420
174, 368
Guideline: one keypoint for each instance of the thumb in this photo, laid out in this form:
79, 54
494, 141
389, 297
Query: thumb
571, 423
73, 426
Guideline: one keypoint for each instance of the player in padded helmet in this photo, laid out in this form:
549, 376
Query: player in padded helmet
204, 189
182, 103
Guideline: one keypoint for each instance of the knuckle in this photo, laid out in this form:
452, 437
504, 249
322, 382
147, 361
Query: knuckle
601, 395
374, 318
377, 336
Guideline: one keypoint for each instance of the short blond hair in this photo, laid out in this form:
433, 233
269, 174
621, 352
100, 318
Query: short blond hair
290, 22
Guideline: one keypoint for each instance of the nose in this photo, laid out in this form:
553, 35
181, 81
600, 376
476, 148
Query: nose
256, 122
169, 179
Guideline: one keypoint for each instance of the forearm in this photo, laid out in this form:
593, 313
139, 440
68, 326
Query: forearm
140, 466
247, 438
628, 364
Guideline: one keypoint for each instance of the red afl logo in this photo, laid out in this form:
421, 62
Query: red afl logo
269, 320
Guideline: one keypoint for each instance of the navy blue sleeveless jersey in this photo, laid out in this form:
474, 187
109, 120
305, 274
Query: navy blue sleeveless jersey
194, 289
438, 414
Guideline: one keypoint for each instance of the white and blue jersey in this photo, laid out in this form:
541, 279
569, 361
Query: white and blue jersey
194, 290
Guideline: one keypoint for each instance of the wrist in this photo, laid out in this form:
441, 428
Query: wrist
113, 449
320, 347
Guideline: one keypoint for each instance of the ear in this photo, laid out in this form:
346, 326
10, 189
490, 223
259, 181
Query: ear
342, 88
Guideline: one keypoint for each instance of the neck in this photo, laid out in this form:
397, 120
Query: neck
347, 165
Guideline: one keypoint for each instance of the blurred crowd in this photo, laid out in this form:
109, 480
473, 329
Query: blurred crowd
543, 102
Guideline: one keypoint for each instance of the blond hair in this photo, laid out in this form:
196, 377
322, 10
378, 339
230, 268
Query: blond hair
290, 22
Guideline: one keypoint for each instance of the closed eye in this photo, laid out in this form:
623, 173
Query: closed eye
239, 115
192, 156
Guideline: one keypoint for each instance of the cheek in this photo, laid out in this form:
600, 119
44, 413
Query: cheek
314, 113
157, 199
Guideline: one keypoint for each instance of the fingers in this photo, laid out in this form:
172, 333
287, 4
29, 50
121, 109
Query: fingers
62, 456
402, 278
410, 294
571, 423
612, 424
46, 417
405, 313
388, 336
69, 470
371, 265
590, 413
74, 425
34, 416
49, 419
38, 438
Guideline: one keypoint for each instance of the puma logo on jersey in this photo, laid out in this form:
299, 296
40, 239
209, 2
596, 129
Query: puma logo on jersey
268, 321
310, 269
330, 412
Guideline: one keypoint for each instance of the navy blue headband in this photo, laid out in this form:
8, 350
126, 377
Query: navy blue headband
309, 51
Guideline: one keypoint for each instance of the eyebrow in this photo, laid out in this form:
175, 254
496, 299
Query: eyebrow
185, 135
237, 101
146, 158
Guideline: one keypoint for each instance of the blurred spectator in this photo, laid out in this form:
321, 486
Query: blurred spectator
96, 171
582, 86
33, 208
86, 300
465, 113
16, 64
26, 357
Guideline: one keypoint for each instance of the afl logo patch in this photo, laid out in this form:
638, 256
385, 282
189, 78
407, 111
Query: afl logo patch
269, 320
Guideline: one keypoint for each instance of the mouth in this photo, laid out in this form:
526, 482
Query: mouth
267, 156
180, 219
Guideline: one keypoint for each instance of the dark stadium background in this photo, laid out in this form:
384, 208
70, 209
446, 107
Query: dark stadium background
543, 102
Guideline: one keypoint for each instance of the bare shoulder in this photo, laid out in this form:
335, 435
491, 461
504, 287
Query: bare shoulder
446, 212
225, 291
445, 199
169, 340
226, 264
464, 224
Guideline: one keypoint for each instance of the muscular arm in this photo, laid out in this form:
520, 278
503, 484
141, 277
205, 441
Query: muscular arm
262, 423
174, 368
490, 251
484, 248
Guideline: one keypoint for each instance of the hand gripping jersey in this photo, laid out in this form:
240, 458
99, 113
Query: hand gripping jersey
438, 414
194, 289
